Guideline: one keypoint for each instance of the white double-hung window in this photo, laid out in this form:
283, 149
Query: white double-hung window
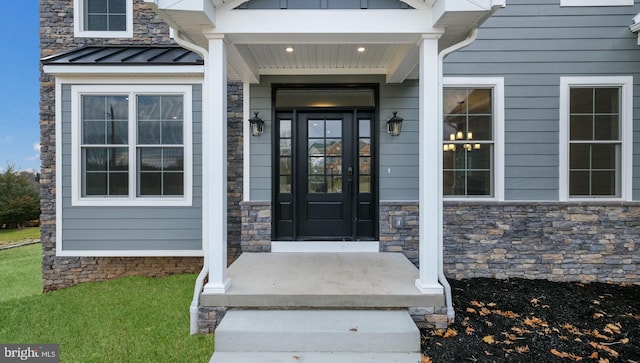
596, 137
131, 145
472, 140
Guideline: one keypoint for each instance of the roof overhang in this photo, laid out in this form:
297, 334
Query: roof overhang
139, 61
324, 40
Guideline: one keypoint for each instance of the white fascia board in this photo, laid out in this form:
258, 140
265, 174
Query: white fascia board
204, 10
57, 70
307, 22
442, 7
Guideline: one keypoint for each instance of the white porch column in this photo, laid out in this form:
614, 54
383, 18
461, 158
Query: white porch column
430, 172
214, 167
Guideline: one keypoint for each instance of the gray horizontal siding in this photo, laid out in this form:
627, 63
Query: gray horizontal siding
532, 44
399, 155
131, 228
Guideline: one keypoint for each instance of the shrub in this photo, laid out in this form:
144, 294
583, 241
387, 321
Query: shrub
19, 197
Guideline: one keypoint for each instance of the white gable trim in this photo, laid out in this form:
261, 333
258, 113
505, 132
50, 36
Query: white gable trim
62, 70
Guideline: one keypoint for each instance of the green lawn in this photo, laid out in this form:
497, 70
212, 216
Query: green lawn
11, 236
133, 319
20, 272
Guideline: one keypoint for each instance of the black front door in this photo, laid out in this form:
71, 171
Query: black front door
325, 176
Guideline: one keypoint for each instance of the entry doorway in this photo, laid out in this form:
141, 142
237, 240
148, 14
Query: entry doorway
325, 175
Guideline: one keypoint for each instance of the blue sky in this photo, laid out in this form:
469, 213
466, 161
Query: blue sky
19, 93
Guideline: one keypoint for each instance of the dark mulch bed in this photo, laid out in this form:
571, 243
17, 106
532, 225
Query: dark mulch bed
522, 320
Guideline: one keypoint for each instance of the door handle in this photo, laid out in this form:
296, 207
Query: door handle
350, 171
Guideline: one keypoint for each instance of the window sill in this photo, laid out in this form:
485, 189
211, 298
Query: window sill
103, 34
126, 202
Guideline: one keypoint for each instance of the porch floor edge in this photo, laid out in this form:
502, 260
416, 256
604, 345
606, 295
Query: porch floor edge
297, 280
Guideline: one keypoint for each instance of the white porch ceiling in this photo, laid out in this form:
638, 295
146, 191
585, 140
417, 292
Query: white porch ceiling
325, 41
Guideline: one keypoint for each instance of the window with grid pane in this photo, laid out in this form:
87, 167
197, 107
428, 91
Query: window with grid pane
595, 141
105, 15
105, 150
134, 146
160, 145
468, 142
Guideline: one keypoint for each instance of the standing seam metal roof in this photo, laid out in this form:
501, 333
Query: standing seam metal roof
125, 55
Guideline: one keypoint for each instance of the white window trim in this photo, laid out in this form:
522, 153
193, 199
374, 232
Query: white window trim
78, 23
76, 161
497, 84
626, 128
596, 3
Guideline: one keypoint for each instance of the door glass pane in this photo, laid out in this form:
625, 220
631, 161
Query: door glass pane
316, 128
324, 146
364, 128
365, 147
334, 147
316, 166
333, 128
365, 184
333, 166
285, 128
285, 184
334, 184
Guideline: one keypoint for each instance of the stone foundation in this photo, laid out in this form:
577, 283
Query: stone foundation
209, 318
256, 226
585, 242
61, 272
430, 317
403, 239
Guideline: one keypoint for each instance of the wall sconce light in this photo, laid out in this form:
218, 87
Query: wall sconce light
394, 124
257, 125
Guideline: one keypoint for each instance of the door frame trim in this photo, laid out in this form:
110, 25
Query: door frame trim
375, 110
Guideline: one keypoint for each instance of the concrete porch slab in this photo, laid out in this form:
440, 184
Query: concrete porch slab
322, 280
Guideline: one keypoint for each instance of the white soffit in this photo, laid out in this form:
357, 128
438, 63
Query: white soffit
325, 41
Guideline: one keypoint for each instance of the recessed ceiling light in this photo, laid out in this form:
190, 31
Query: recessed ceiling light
361, 49
289, 49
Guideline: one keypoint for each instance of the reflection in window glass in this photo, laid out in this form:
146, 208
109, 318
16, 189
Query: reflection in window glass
324, 156
468, 142
595, 142
285, 170
364, 156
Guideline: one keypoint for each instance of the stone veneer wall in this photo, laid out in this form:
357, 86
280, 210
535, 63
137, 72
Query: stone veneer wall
256, 226
56, 36
538, 240
571, 241
556, 241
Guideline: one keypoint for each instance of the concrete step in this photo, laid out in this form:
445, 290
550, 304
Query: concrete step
307, 357
352, 331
